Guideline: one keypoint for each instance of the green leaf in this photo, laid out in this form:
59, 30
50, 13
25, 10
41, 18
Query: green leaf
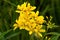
10, 3
45, 10
54, 33
4, 33
12, 35
54, 37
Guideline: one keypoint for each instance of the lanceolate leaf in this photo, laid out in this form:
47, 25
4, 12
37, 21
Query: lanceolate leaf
54, 33
4, 33
54, 37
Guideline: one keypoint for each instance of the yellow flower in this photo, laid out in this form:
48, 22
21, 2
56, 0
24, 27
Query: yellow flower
25, 8
29, 20
29, 7
40, 19
39, 29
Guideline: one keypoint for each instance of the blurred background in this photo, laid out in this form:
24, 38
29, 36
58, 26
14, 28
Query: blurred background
8, 17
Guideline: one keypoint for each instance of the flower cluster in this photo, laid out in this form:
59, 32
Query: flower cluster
29, 20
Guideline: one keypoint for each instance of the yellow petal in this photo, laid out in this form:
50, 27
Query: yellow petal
17, 11
18, 7
28, 5
15, 24
36, 30
39, 26
25, 3
22, 27
30, 32
26, 28
37, 13
15, 28
40, 17
33, 8
40, 34
42, 30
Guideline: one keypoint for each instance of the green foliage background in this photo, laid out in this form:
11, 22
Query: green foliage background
8, 17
